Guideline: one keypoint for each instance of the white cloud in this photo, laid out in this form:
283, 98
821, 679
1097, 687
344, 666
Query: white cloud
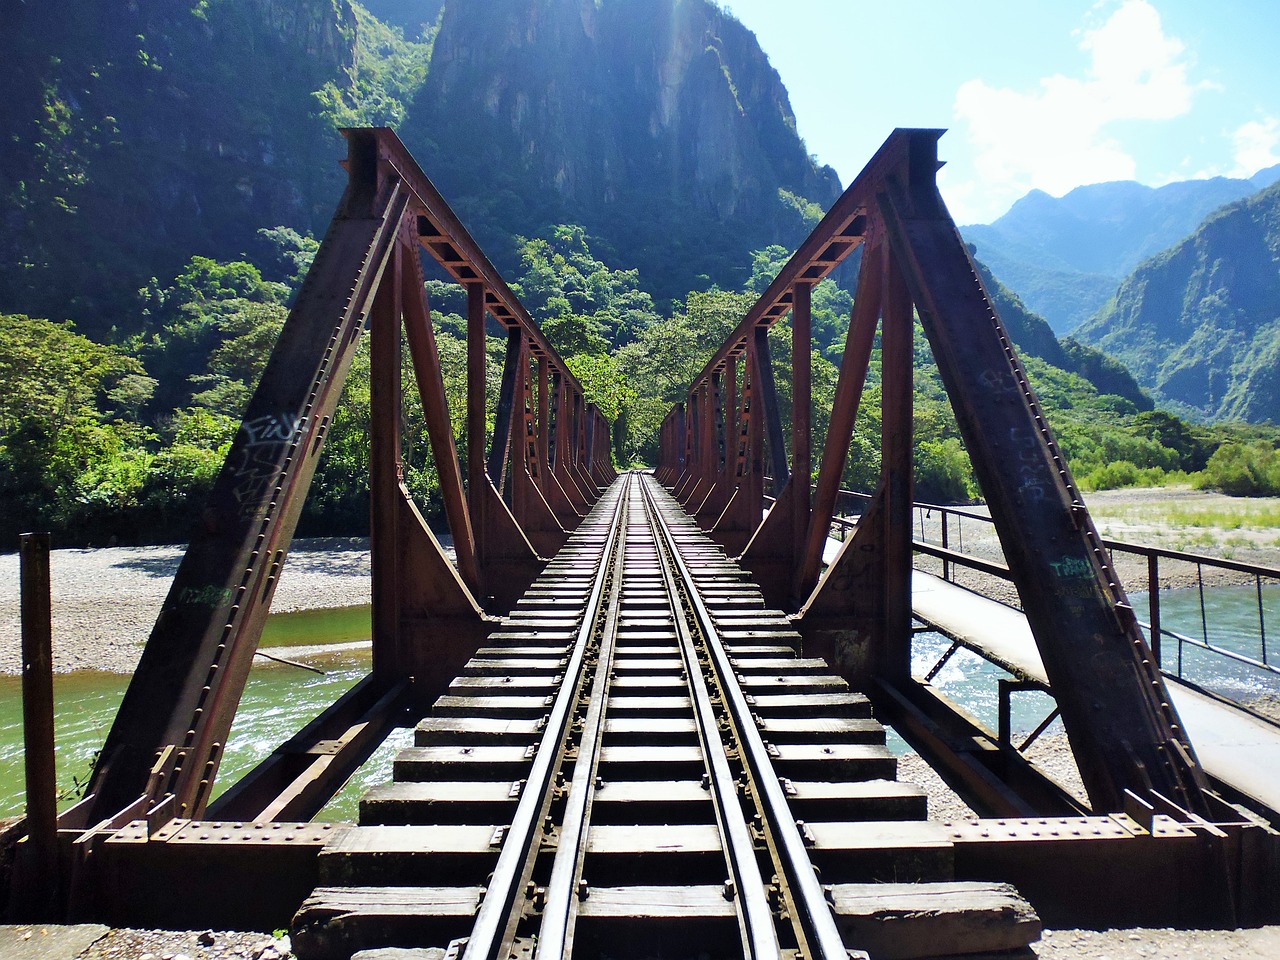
1256, 144
1056, 136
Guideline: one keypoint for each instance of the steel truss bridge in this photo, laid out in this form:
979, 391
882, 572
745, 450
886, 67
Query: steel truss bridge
647, 707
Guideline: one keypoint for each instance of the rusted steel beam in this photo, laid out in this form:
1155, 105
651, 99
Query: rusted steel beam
179, 707
195, 874
504, 421
801, 412
421, 338
741, 514
772, 412
893, 659
477, 402
304, 772
834, 239
544, 419
844, 414
189, 680
528, 504
386, 467
1123, 728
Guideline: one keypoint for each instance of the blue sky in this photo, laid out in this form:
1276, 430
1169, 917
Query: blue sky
1044, 94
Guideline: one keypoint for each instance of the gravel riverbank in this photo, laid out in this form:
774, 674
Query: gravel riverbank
106, 600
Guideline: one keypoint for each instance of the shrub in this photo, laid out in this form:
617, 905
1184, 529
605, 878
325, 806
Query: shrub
1243, 470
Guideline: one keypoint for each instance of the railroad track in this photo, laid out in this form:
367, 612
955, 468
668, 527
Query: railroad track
639, 764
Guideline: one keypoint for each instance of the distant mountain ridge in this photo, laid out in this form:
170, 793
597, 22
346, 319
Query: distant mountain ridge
1199, 324
1066, 256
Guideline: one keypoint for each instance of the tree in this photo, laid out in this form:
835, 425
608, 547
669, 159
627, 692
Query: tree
59, 440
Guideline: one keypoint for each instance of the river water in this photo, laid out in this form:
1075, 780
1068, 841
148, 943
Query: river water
279, 700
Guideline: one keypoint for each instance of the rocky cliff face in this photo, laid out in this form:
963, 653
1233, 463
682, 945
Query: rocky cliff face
658, 124
140, 133
1200, 323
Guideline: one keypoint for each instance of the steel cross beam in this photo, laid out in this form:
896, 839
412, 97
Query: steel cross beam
162, 754
1123, 729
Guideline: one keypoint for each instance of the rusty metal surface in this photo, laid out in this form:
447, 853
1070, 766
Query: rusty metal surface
1124, 731
429, 616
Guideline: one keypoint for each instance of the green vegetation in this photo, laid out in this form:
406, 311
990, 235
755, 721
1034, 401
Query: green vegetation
118, 443
1243, 470
1199, 324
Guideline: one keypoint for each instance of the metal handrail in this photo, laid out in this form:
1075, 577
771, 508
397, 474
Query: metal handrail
1155, 629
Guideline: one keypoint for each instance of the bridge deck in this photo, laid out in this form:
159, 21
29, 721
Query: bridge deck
1235, 747
624, 766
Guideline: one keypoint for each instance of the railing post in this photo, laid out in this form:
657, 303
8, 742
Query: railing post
946, 563
1153, 603
41, 859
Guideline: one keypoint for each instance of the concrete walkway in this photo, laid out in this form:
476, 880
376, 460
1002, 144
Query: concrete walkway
1234, 746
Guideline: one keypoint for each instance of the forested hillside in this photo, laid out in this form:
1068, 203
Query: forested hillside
632, 165
138, 134
1200, 323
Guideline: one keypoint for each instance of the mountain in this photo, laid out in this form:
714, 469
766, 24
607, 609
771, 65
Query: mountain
1265, 178
138, 134
1066, 256
658, 125
1199, 324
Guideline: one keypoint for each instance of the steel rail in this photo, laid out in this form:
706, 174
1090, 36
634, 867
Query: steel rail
760, 937
812, 913
559, 912
515, 861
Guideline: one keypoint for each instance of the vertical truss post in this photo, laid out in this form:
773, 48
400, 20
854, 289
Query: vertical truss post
678, 443
421, 338
1123, 728
544, 416
768, 396
741, 514
844, 415
854, 616
528, 503
507, 560
386, 468
581, 464
692, 437
894, 646
771, 553
502, 427
724, 468
565, 442
477, 374
801, 413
